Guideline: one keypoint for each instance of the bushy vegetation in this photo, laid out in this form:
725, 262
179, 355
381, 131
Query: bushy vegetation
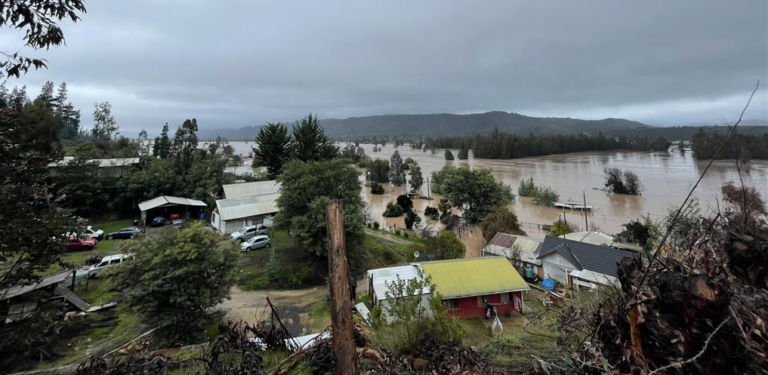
444, 246
641, 231
545, 196
432, 213
448, 155
393, 210
173, 279
527, 188
396, 170
622, 182
497, 145
560, 228
417, 179
411, 219
475, 192
501, 220
376, 188
744, 147
378, 171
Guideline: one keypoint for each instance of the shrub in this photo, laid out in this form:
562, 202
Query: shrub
448, 155
405, 234
405, 202
376, 188
444, 246
376, 225
397, 232
432, 213
527, 188
501, 220
560, 228
545, 196
411, 218
393, 210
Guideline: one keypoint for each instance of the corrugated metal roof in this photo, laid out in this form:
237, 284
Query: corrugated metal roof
474, 276
383, 276
600, 238
251, 189
165, 200
103, 163
597, 258
504, 244
237, 208
18, 290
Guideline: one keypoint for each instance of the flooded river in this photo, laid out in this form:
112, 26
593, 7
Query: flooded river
666, 176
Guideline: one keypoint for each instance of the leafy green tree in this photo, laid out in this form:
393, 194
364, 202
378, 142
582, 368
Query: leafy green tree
104, 124
643, 231
174, 279
185, 143
274, 148
445, 246
545, 196
310, 142
463, 153
86, 150
527, 188
67, 114
560, 228
393, 210
448, 155
42, 127
475, 192
162, 146
396, 171
620, 182
501, 220
39, 21
376, 188
411, 219
33, 222
306, 187
46, 95
143, 141
417, 180
378, 171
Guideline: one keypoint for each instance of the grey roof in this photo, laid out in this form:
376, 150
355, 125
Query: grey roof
166, 200
46, 281
237, 208
251, 189
597, 258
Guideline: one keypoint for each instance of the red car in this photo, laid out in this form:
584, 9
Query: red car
175, 216
75, 244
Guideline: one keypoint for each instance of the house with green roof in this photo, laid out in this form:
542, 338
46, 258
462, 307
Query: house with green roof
470, 287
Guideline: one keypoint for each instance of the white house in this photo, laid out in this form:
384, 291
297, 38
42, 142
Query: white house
518, 249
580, 265
246, 204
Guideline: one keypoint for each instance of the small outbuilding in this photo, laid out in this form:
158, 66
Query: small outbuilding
165, 206
245, 204
522, 251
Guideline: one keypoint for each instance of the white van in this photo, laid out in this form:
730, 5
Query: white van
107, 261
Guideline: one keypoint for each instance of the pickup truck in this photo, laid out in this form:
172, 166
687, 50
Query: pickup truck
249, 232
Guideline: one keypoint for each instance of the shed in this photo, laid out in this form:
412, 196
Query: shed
380, 279
235, 213
518, 249
165, 205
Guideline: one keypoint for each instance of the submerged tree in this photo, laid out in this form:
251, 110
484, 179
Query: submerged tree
621, 182
448, 155
417, 180
500, 221
396, 171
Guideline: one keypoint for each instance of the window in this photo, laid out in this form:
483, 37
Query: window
115, 261
452, 304
505, 298
482, 301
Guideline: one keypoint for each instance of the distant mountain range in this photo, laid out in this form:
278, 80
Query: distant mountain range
444, 124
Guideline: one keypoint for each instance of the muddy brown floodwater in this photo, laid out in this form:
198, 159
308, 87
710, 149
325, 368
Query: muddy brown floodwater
666, 176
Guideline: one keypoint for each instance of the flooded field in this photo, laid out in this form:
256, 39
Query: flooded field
666, 176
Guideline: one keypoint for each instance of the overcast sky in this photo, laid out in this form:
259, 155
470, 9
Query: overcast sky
237, 63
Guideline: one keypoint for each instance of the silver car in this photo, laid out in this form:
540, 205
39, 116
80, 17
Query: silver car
249, 232
256, 242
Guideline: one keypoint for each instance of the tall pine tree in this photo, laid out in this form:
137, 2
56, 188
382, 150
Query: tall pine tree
162, 145
274, 148
310, 141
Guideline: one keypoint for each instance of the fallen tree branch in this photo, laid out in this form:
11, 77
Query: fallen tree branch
697, 356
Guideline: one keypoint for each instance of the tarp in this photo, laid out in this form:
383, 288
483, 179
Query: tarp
548, 284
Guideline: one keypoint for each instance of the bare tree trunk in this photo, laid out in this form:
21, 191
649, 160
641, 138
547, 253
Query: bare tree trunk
341, 305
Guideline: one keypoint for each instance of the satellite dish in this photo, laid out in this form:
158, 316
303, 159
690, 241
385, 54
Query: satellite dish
416, 254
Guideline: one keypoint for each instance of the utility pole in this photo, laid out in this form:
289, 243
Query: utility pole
429, 190
584, 209
341, 302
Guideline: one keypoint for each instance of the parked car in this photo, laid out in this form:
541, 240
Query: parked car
249, 232
157, 222
107, 261
177, 223
256, 243
92, 232
75, 243
175, 216
129, 232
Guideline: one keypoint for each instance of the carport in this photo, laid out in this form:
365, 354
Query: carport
166, 205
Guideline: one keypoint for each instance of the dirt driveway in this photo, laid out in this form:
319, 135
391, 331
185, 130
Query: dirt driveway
294, 307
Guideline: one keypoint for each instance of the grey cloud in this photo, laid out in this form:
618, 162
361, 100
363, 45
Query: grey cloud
236, 63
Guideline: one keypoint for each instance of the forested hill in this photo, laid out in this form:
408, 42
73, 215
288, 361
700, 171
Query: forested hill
445, 124
471, 124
